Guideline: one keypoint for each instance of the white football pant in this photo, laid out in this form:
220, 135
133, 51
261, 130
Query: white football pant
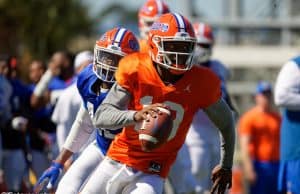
80, 170
203, 142
112, 177
204, 158
181, 177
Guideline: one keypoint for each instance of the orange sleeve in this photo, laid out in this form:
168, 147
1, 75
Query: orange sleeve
127, 72
211, 92
245, 126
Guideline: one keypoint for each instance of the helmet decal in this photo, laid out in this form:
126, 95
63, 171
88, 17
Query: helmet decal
103, 37
160, 26
180, 22
159, 7
133, 44
119, 36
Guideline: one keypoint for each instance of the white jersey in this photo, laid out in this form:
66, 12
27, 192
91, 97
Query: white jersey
203, 140
202, 130
65, 113
218, 68
287, 88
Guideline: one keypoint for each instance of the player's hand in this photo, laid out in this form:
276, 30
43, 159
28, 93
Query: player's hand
152, 110
55, 68
222, 180
49, 177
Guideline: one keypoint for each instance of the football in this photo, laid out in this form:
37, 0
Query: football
154, 132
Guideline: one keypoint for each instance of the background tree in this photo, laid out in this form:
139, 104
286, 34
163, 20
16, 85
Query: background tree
39, 27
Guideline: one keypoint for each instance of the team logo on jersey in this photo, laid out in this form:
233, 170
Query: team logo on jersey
187, 88
90, 109
160, 26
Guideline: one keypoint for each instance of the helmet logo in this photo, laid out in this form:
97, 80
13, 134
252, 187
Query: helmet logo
160, 26
147, 9
113, 47
103, 38
184, 34
133, 45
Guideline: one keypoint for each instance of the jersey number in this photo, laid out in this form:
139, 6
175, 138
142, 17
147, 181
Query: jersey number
147, 100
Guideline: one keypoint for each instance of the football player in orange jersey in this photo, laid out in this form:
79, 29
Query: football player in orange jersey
148, 13
163, 78
180, 177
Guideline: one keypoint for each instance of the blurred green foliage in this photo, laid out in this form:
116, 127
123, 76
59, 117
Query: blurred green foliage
40, 27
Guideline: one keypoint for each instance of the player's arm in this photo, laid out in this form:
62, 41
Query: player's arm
80, 131
287, 88
245, 129
41, 95
78, 136
227, 99
245, 155
221, 115
113, 113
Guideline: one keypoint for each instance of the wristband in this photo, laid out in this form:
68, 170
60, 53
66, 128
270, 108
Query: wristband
57, 165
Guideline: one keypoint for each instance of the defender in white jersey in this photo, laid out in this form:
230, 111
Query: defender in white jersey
93, 84
203, 140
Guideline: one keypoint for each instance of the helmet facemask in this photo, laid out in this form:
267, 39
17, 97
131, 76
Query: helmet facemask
203, 53
174, 53
106, 62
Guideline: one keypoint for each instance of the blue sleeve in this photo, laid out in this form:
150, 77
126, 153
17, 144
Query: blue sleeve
83, 80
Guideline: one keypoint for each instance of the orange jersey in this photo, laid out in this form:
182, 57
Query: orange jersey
144, 47
198, 88
264, 131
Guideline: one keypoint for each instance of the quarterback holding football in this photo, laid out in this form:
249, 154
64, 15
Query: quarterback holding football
165, 77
